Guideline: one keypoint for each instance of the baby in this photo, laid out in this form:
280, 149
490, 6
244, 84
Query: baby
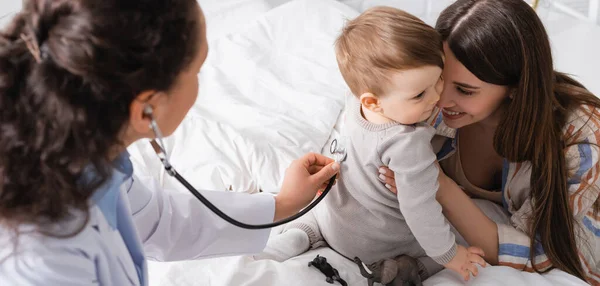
392, 63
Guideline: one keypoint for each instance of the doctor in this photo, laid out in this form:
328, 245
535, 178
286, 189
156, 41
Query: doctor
75, 79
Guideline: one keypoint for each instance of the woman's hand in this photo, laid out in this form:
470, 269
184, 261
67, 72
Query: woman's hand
387, 177
303, 179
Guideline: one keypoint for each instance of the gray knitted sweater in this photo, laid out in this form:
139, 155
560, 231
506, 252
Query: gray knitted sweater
361, 217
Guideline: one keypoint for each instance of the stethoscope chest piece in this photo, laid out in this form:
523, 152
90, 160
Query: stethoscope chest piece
338, 151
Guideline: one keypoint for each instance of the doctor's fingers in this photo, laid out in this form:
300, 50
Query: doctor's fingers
316, 169
314, 159
324, 175
324, 185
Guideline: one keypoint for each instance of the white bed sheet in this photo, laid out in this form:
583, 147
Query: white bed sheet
249, 123
244, 271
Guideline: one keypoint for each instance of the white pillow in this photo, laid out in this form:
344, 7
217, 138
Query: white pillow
228, 16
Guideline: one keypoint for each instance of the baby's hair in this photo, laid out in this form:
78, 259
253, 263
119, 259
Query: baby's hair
382, 40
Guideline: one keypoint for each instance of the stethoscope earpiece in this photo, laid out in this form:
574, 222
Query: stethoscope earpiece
148, 113
157, 144
148, 110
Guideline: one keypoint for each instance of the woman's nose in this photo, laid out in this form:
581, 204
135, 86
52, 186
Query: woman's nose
445, 99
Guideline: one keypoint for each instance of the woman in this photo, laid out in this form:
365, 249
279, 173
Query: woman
521, 135
77, 79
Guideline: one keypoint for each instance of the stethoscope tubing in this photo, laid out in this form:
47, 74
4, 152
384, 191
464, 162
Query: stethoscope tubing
158, 147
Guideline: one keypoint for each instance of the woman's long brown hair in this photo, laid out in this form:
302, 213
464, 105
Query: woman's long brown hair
505, 43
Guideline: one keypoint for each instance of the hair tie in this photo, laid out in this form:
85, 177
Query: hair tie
33, 47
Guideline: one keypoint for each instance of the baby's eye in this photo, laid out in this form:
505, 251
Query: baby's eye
420, 95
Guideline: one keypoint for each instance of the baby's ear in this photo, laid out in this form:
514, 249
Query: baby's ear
389, 271
370, 102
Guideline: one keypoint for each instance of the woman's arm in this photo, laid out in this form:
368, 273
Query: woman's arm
477, 229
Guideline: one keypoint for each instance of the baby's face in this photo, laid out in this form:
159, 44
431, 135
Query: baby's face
412, 94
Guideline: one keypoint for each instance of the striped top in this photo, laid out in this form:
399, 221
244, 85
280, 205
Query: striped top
582, 133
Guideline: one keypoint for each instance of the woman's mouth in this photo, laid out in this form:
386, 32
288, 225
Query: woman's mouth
452, 115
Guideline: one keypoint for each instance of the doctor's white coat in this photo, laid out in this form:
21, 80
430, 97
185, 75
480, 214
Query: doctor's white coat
170, 225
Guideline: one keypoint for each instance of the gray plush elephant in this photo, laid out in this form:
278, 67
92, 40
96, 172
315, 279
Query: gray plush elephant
400, 271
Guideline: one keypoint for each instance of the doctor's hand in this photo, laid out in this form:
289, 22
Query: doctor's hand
303, 178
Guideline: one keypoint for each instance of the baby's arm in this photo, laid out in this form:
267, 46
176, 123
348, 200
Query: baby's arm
411, 158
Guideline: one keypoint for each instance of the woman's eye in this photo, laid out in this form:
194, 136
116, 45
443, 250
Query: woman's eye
465, 92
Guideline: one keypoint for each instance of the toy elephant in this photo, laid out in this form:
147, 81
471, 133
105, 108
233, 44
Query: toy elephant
400, 271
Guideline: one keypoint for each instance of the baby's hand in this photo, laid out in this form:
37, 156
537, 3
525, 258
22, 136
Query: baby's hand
464, 261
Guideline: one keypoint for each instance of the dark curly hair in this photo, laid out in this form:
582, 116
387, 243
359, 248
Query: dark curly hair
63, 109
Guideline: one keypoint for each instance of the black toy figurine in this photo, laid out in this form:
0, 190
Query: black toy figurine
400, 271
320, 262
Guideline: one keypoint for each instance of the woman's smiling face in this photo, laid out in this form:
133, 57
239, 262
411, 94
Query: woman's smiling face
466, 99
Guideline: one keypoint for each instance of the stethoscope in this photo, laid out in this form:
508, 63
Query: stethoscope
159, 147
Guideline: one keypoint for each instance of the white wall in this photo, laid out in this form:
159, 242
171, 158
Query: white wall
8, 7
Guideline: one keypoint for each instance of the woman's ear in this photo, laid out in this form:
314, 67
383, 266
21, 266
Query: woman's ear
511, 93
138, 111
371, 102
